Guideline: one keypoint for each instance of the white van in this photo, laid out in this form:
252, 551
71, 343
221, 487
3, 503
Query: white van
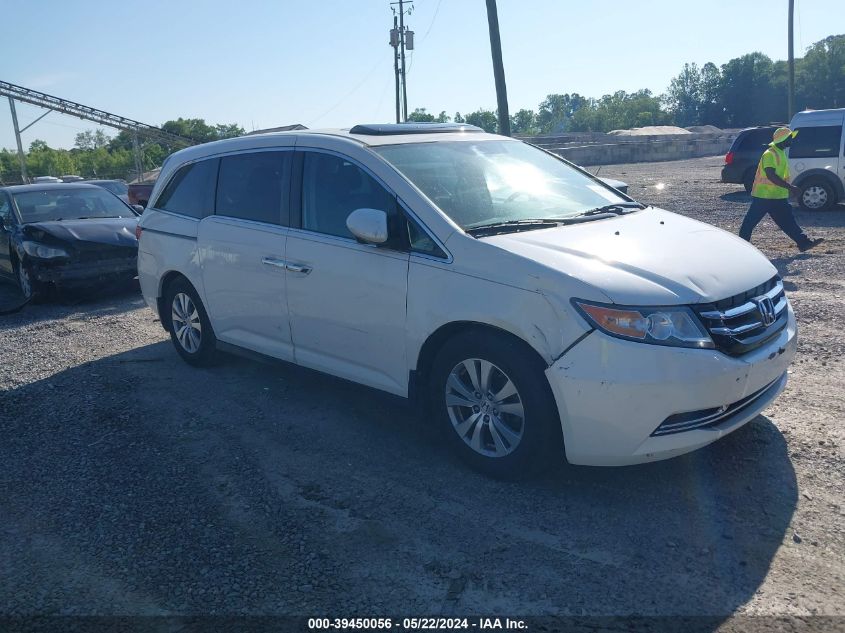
817, 158
529, 306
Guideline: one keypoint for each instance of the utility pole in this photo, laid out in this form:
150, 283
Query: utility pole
402, 48
400, 39
498, 68
21, 156
791, 100
394, 42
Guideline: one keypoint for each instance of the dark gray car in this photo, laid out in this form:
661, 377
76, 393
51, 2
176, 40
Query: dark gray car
66, 235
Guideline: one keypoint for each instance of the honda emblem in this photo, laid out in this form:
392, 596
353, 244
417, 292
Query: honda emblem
766, 308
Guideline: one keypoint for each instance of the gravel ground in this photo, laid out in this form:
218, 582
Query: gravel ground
131, 483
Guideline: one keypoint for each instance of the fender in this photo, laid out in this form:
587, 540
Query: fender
830, 176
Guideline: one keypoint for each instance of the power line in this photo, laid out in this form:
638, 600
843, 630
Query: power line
431, 24
348, 94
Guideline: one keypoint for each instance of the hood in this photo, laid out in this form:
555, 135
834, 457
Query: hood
111, 231
650, 257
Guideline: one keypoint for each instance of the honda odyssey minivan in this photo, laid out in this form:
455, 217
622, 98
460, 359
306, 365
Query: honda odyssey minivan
530, 308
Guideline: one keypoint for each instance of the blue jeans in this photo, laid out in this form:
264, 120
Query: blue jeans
780, 211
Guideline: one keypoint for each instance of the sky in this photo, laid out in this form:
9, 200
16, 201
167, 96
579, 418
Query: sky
327, 63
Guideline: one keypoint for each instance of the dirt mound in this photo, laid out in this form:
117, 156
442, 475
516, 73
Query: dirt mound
704, 129
651, 130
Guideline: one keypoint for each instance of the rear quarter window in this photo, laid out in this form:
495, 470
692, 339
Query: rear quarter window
191, 190
816, 142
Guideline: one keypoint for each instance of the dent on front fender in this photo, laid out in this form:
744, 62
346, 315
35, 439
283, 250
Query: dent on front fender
439, 296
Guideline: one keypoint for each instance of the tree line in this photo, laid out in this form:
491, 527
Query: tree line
95, 154
745, 91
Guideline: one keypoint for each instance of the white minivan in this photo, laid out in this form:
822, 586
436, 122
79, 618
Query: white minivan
530, 308
817, 158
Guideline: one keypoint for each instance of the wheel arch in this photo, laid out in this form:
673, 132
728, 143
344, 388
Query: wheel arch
434, 342
167, 279
828, 176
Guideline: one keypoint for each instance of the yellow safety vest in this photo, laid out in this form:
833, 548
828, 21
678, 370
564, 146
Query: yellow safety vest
763, 187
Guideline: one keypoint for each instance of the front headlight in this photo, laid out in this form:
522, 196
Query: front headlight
674, 325
34, 249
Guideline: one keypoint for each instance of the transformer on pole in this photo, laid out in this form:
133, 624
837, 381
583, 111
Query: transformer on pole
401, 39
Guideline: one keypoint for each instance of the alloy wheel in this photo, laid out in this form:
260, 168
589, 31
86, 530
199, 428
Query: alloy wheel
814, 197
485, 407
186, 322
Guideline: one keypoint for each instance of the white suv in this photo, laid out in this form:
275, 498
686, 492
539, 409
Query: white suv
528, 305
817, 158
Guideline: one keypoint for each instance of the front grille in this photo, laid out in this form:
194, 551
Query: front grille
744, 322
103, 252
711, 417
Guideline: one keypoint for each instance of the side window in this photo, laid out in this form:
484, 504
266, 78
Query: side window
191, 190
816, 142
332, 188
420, 241
251, 186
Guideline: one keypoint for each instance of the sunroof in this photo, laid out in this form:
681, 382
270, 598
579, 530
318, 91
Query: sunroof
386, 129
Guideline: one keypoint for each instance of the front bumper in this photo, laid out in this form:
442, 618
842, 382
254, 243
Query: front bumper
613, 394
73, 273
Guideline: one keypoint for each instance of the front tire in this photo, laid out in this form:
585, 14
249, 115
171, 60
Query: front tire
26, 284
816, 195
189, 326
494, 405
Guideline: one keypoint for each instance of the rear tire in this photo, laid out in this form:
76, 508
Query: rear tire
816, 195
492, 400
189, 326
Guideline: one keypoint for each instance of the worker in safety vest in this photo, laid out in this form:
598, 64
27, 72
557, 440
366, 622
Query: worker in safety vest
770, 193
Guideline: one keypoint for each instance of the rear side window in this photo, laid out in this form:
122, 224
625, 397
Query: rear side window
816, 142
253, 186
332, 188
191, 191
756, 140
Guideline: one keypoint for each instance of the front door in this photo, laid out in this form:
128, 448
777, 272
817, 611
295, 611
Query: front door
346, 299
242, 248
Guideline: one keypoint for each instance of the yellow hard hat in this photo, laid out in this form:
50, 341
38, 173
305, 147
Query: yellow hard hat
782, 133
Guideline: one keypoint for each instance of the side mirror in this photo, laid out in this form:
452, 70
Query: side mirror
2, 224
368, 225
138, 208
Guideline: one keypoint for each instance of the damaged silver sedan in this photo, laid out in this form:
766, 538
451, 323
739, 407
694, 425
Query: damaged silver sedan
67, 235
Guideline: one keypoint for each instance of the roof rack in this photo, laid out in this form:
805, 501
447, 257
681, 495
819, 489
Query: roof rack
387, 129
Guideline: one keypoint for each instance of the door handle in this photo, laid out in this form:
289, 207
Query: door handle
298, 268
272, 261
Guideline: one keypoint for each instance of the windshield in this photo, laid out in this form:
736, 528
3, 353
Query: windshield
59, 203
487, 182
117, 188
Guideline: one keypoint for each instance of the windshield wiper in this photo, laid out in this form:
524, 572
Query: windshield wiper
517, 225
617, 208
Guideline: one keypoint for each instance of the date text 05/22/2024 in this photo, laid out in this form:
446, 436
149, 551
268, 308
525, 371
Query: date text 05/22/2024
416, 624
